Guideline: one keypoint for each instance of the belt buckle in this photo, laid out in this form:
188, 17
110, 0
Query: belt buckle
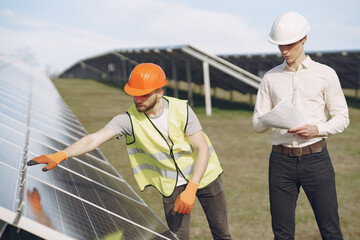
295, 152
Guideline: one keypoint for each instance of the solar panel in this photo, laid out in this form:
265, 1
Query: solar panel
84, 197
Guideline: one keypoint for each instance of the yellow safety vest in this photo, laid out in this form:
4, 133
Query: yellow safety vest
156, 161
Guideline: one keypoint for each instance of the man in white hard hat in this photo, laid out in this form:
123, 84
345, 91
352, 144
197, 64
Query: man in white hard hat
299, 156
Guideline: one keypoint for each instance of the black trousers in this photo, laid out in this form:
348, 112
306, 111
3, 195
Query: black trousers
315, 174
212, 200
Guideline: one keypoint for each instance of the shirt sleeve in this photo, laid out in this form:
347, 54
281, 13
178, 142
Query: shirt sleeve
336, 106
121, 125
263, 105
193, 124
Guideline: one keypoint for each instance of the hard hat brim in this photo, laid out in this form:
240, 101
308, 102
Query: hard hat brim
140, 92
290, 41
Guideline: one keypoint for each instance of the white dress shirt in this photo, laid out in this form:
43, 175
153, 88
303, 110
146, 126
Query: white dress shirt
315, 91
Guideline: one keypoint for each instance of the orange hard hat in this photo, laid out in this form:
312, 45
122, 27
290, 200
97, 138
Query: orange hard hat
145, 78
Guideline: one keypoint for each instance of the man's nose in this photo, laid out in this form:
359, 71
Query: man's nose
138, 99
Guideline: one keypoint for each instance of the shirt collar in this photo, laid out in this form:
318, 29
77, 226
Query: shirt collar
305, 64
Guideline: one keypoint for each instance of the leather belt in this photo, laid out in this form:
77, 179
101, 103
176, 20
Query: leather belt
297, 152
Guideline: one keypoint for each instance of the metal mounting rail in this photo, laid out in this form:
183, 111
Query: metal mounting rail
224, 66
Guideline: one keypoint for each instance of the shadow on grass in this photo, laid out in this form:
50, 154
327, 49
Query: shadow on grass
198, 99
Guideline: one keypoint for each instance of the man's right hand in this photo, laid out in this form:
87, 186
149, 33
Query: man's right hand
52, 160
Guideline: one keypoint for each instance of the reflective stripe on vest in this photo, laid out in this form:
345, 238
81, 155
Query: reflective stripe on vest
159, 157
164, 172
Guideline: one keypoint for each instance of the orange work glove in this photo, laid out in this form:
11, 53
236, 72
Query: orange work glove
185, 201
52, 160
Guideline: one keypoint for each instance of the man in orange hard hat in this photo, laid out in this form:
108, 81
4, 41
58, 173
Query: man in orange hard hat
167, 150
299, 155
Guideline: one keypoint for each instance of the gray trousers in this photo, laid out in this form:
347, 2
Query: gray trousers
315, 174
212, 200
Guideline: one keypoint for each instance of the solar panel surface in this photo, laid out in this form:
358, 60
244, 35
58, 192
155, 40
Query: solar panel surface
83, 198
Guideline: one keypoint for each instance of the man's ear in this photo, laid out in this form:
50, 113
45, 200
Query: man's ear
160, 91
303, 40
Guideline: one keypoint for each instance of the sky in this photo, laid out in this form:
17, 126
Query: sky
53, 35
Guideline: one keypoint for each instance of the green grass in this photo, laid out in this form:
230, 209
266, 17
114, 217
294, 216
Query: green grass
243, 155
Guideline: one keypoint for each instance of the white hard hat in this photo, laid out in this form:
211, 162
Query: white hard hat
289, 28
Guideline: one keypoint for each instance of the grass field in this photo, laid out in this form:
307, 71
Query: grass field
244, 158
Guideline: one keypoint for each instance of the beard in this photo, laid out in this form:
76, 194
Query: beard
144, 108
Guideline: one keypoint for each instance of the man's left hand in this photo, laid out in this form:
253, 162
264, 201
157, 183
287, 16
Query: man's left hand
306, 131
185, 201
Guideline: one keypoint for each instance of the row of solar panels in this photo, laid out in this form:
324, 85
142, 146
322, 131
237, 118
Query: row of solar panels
181, 63
84, 198
345, 63
185, 63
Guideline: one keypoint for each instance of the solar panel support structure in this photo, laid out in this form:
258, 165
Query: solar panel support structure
207, 88
175, 78
223, 66
189, 80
